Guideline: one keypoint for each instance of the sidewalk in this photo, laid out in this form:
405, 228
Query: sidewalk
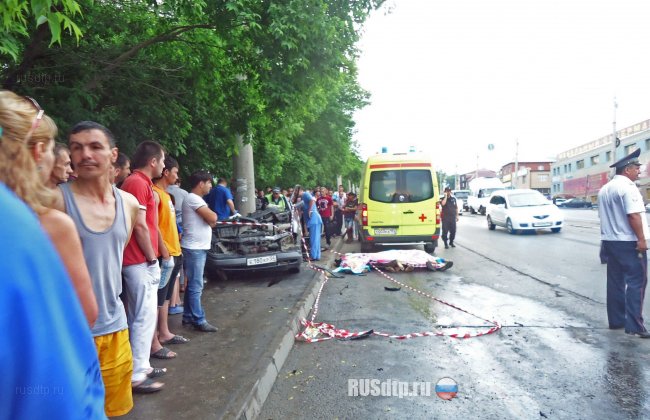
228, 374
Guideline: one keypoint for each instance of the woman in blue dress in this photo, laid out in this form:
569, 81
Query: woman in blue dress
314, 224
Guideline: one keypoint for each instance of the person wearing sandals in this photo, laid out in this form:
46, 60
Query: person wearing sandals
169, 234
141, 270
198, 221
105, 217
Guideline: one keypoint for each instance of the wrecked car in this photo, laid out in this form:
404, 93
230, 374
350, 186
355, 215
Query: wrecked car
267, 239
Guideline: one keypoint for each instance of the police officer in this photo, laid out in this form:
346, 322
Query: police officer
277, 199
624, 230
449, 218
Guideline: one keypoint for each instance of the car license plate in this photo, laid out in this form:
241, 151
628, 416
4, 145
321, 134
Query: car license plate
543, 224
261, 260
385, 231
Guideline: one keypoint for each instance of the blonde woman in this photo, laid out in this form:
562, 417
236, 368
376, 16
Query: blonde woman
26, 161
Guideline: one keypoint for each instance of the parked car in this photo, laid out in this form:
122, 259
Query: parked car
523, 210
264, 240
576, 203
461, 198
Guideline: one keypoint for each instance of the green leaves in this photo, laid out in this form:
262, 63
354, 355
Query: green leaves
195, 74
16, 16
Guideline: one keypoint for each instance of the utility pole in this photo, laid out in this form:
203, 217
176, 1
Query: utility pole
614, 136
514, 179
244, 175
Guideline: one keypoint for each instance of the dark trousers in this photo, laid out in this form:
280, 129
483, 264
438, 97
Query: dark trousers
327, 225
338, 222
448, 228
626, 281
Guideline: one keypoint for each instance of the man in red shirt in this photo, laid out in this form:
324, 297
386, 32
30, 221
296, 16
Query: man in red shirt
140, 269
326, 209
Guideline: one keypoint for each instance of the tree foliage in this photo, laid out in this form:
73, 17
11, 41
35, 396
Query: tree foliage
19, 16
193, 75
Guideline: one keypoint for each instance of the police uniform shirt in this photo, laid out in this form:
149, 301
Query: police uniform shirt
450, 209
618, 198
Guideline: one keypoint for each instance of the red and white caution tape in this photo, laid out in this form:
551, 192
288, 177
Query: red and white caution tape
315, 332
266, 225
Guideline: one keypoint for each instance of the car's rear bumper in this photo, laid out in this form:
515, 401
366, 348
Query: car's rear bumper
228, 262
398, 239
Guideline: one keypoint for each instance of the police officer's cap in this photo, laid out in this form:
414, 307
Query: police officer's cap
276, 190
631, 159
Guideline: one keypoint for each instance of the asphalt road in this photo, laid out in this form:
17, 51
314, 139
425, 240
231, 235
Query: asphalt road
553, 358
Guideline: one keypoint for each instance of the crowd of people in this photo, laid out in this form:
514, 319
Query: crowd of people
323, 211
124, 242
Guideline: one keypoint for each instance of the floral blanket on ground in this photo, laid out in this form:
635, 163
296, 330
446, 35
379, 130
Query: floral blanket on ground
358, 263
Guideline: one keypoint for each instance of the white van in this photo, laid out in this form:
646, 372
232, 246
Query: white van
480, 191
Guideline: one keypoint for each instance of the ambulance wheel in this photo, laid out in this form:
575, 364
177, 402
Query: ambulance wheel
366, 247
429, 247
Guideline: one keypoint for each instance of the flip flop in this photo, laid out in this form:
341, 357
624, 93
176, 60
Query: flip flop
177, 339
157, 372
447, 266
147, 387
163, 353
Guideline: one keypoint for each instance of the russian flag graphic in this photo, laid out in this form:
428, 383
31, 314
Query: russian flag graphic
446, 388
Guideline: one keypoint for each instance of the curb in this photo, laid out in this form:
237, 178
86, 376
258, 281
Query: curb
271, 363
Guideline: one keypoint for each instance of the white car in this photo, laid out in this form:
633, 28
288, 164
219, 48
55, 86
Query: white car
461, 198
521, 210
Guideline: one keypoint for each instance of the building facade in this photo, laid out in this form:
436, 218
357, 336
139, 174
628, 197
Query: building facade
583, 170
533, 175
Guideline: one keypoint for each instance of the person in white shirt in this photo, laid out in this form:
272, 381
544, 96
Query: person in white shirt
624, 231
339, 198
198, 221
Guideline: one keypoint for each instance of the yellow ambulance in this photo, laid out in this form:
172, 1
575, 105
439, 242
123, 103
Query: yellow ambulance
399, 202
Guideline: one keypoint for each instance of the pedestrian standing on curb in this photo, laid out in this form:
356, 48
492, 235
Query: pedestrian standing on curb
198, 221
141, 269
178, 194
624, 233
349, 215
313, 222
338, 199
326, 211
449, 218
104, 216
169, 233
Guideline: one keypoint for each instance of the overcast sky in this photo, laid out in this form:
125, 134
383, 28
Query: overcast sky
450, 77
